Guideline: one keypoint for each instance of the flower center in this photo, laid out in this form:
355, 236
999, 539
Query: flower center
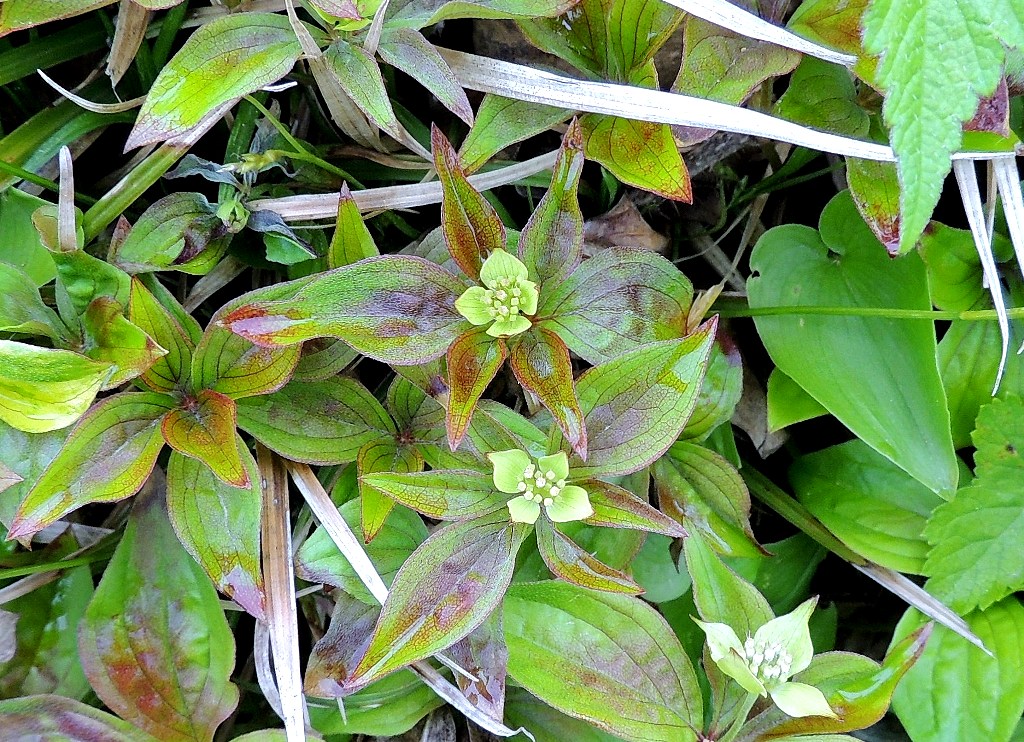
767, 661
540, 486
504, 299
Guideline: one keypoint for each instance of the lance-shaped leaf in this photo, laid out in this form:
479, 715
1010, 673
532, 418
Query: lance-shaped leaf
45, 389
616, 507
22, 309
319, 422
409, 51
203, 428
170, 371
617, 301
338, 652
638, 153
381, 456
541, 363
471, 226
180, 231
551, 243
360, 78
111, 338
19, 14
720, 594
420, 13
396, 309
473, 361
225, 59
154, 642
609, 659
111, 453
444, 590
637, 405
446, 494
483, 655
56, 717
501, 122
567, 560
352, 240
219, 525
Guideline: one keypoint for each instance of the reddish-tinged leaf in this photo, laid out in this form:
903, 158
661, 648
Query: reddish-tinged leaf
8, 477
219, 525
444, 590
319, 422
336, 654
111, 338
154, 642
410, 52
615, 507
58, 718
483, 655
382, 455
172, 370
834, 23
617, 301
473, 361
551, 244
541, 363
875, 189
108, 457
204, 428
567, 560
352, 240
174, 233
471, 226
446, 494
396, 309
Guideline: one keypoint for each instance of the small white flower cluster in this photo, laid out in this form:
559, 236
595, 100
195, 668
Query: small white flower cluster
767, 661
540, 486
504, 300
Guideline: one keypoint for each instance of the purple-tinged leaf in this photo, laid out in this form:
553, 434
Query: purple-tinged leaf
203, 428
551, 243
615, 507
338, 652
111, 338
642, 154
473, 361
444, 590
637, 405
319, 422
875, 189
172, 370
219, 525
607, 658
568, 561
59, 718
382, 455
471, 226
154, 642
446, 494
352, 240
110, 453
396, 309
483, 655
8, 477
541, 363
617, 301
181, 232
501, 122
339, 8
407, 50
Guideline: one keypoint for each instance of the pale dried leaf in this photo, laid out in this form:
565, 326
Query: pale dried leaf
623, 226
129, 31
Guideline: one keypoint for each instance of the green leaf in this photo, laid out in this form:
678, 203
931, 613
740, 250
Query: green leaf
171, 371
320, 422
955, 691
360, 78
609, 659
637, 405
22, 309
474, 359
24, 249
154, 641
471, 227
18, 14
445, 494
219, 525
444, 590
933, 80
379, 456
82, 278
111, 338
107, 457
396, 309
501, 122
834, 23
525, 710
225, 59
720, 594
181, 231
703, 491
617, 507
638, 153
954, 268
975, 559
388, 707
58, 718
420, 13
822, 95
45, 389
721, 391
26, 455
870, 504
352, 240
568, 561
203, 427
783, 572
788, 403
318, 559
857, 358
617, 301
876, 191
407, 50
659, 571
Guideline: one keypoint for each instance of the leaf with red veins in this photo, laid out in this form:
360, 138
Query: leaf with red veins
615, 507
568, 561
473, 361
203, 428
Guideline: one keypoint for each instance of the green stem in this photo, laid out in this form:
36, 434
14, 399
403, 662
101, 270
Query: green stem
39, 180
972, 315
740, 719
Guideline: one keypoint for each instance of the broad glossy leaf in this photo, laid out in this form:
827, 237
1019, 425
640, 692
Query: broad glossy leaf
397, 309
352, 240
219, 525
22, 309
154, 641
420, 13
45, 389
318, 559
637, 405
617, 507
203, 427
471, 226
955, 691
857, 358
181, 231
483, 655
225, 59
609, 659
953, 266
788, 403
444, 590
111, 452
872, 505
617, 301
409, 51
320, 422
24, 250
639, 153
451, 494
568, 561
18, 14
474, 359
704, 492
501, 122
171, 371
111, 338
382, 455
58, 718
360, 78
658, 569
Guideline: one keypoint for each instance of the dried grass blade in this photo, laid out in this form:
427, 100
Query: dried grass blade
129, 31
1008, 185
67, 232
88, 105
